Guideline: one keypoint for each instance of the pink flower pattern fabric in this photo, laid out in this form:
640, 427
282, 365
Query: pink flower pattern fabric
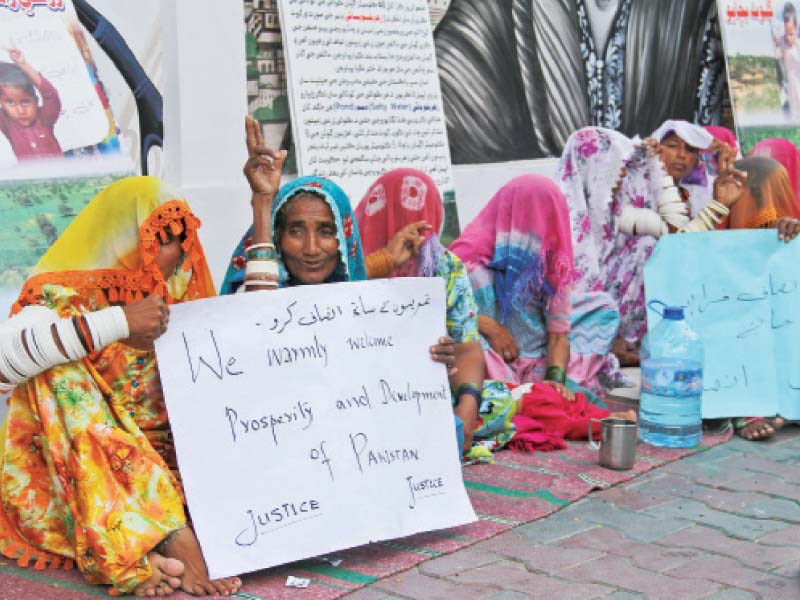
590, 176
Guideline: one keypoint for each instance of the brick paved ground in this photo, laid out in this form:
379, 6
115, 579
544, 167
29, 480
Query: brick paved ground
721, 525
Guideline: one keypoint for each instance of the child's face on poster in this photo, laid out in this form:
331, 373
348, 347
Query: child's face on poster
18, 105
790, 30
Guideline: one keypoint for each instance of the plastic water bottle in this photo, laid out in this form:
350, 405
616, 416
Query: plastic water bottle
672, 382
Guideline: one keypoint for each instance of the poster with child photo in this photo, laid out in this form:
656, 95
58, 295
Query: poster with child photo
52, 104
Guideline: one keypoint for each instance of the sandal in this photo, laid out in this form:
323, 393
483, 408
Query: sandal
717, 426
757, 429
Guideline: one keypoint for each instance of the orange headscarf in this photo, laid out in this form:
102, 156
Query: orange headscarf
111, 247
767, 197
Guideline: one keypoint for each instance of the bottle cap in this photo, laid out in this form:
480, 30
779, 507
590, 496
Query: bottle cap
673, 313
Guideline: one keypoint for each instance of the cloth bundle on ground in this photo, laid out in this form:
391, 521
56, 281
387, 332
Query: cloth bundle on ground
88, 469
567, 418
533, 417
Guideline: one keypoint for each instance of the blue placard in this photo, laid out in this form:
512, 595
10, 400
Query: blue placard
740, 293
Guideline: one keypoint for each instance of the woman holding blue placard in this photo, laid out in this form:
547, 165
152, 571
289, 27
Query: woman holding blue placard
765, 201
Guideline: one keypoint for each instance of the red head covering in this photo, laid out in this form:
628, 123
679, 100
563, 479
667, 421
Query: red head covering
396, 199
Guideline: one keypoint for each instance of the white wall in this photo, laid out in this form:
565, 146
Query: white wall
476, 184
203, 82
205, 103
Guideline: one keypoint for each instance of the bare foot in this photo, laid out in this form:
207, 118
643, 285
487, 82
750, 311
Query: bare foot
184, 546
760, 429
166, 576
627, 352
630, 415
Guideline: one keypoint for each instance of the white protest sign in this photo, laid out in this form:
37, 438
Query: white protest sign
364, 90
740, 293
312, 419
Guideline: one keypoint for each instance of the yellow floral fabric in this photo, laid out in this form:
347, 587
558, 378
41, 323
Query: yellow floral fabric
87, 466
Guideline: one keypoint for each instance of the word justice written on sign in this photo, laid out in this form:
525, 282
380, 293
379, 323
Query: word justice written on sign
312, 419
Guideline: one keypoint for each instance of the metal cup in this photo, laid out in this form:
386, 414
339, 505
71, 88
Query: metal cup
618, 442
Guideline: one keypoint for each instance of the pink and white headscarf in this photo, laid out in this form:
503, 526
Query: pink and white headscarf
590, 171
396, 199
591, 168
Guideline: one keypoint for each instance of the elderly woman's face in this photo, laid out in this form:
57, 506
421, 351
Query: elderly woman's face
309, 246
679, 158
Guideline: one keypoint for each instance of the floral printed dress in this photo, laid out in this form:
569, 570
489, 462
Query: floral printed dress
87, 463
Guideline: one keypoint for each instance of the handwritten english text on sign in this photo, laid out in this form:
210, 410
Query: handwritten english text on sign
312, 419
740, 293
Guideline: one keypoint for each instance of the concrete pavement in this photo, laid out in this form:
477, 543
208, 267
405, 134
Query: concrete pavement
720, 525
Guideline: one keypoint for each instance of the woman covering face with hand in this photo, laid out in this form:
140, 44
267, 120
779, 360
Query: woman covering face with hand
405, 199
89, 472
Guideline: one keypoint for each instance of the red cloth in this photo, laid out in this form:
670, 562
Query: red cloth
723, 134
558, 415
531, 436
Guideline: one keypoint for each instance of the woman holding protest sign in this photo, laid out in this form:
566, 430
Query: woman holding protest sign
88, 465
407, 197
766, 201
304, 233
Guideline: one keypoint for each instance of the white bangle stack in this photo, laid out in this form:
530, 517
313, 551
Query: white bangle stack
42, 345
641, 221
25, 352
708, 218
65, 329
107, 326
18, 364
671, 207
262, 266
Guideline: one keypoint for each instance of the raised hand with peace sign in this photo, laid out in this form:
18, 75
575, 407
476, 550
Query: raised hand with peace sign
263, 172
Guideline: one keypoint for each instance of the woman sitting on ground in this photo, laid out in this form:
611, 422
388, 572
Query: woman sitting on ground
518, 253
88, 466
406, 197
607, 179
766, 201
